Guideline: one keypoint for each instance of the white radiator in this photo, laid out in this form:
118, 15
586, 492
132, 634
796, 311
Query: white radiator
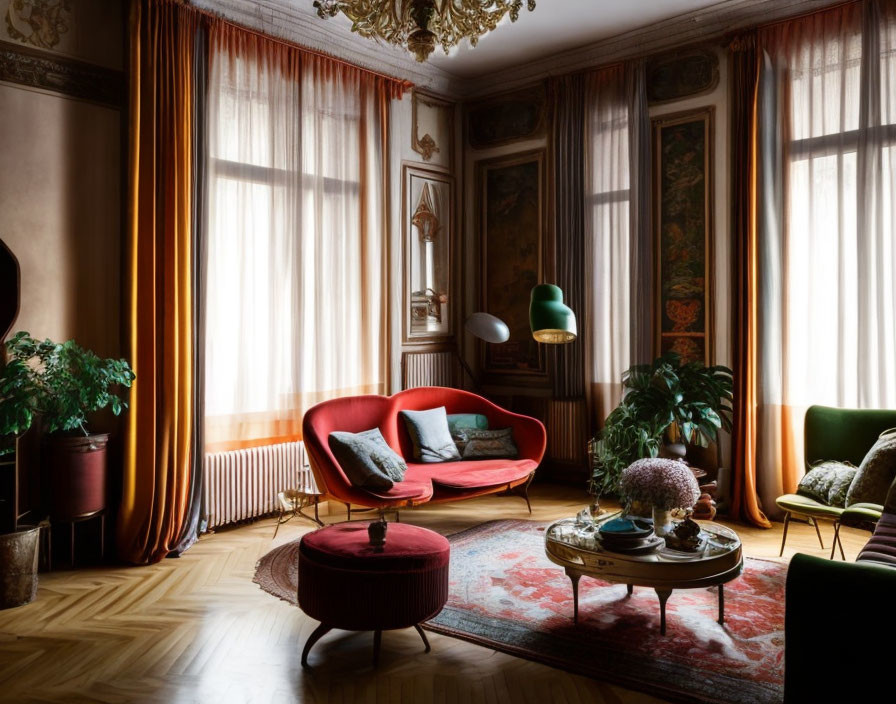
243, 484
428, 369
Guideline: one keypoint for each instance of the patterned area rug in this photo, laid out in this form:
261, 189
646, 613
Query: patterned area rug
505, 594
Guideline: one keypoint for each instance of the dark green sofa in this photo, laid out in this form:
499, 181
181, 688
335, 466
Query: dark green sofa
845, 435
840, 622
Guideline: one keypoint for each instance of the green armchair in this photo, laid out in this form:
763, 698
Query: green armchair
847, 606
845, 435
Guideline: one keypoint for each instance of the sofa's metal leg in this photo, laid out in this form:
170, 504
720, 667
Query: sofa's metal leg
318, 633
522, 490
423, 636
786, 526
818, 533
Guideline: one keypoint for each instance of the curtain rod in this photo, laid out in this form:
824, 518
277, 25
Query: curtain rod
218, 17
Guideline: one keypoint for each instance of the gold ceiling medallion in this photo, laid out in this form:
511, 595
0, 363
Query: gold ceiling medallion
421, 24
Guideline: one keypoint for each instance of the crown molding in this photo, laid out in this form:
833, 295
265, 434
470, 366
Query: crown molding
284, 21
704, 25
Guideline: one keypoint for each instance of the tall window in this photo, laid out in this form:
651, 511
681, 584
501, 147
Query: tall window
828, 260
608, 258
294, 308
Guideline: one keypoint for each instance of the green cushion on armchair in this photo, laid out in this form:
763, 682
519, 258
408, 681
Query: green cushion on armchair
839, 434
862, 515
804, 506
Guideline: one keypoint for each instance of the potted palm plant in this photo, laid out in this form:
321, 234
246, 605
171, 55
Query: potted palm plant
71, 384
665, 402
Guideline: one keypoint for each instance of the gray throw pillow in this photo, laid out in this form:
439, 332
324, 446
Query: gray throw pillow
367, 459
430, 435
876, 472
489, 444
828, 482
458, 422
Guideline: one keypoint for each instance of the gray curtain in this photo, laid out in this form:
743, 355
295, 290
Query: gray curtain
190, 532
641, 253
568, 177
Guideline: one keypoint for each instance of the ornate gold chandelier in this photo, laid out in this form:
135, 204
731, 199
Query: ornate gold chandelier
421, 24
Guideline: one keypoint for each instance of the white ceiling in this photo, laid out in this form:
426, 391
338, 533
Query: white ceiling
552, 27
555, 26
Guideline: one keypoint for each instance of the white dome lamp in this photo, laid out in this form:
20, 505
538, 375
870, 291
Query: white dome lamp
486, 327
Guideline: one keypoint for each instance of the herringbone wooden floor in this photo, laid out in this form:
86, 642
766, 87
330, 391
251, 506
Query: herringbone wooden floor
196, 629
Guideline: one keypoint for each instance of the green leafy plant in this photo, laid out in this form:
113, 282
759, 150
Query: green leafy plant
62, 381
688, 401
19, 394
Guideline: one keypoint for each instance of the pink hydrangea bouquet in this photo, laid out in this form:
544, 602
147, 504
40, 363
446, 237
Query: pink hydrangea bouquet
662, 484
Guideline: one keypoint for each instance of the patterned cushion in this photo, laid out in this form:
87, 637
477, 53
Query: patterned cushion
430, 435
828, 482
488, 444
367, 459
876, 472
458, 422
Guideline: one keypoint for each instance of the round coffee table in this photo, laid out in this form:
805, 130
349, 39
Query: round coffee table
663, 570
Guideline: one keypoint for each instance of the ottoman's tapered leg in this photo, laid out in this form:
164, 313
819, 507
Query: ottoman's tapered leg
319, 632
423, 636
377, 639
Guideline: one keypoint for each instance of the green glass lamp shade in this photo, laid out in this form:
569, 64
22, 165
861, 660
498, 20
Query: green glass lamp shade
551, 321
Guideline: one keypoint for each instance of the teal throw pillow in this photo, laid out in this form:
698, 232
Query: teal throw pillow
489, 444
876, 473
367, 459
430, 435
827, 482
458, 422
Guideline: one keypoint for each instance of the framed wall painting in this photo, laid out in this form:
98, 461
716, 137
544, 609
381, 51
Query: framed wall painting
511, 230
507, 118
428, 232
682, 182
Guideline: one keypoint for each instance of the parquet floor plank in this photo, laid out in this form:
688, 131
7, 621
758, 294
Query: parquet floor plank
196, 629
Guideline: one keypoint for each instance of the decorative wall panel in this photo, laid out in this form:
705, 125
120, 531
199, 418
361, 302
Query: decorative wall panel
683, 233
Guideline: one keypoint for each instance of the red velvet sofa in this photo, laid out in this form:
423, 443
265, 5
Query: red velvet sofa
423, 483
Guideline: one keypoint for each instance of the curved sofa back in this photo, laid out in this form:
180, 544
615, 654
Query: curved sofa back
356, 413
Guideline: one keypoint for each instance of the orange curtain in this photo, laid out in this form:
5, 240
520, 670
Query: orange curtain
157, 468
743, 64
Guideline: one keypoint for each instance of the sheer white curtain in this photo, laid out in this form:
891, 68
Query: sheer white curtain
295, 305
608, 239
827, 299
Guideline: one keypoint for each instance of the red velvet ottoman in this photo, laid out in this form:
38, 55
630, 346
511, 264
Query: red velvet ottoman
344, 582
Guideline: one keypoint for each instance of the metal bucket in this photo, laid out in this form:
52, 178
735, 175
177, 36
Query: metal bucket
18, 566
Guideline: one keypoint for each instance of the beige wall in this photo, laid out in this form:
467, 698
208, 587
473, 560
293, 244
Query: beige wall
60, 214
60, 188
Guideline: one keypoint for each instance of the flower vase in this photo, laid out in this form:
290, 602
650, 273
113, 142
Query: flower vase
662, 521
